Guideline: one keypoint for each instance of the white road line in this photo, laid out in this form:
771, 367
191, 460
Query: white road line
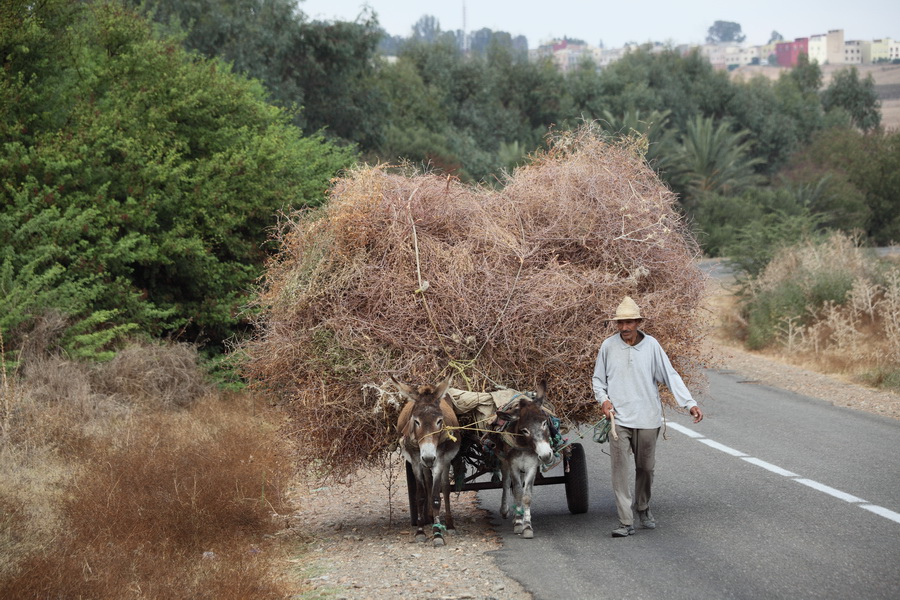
829, 490
881, 511
721, 447
873, 508
769, 466
686, 431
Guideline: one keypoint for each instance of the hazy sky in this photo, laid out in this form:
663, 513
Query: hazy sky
619, 22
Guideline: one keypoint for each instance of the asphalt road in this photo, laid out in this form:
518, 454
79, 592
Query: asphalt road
781, 496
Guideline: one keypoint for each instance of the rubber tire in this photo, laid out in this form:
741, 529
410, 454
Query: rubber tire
411, 492
577, 481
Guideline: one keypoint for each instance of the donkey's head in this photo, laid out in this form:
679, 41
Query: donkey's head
530, 425
424, 420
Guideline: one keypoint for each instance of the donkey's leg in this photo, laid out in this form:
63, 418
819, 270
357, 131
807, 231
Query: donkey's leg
434, 508
421, 509
507, 482
528, 490
518, 519
448, 521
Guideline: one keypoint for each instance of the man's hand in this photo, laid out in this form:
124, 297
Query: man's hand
607, 408
697, 414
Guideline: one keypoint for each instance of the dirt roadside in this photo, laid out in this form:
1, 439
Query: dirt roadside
357, 544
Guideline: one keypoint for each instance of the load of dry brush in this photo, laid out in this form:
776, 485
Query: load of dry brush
413, 275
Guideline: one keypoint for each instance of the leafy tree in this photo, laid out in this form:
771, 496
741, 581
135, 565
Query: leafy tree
335, 67
807, 75
755, 244
714, 158
757, 107
584, 92
661, 143
858, 165
427, 29
725, 31
685, 85
327, 68
723, 222
797, 99
256, 36
481, 41
139, 182
858, 98
775, 37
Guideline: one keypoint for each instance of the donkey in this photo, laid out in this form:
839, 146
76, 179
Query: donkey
429, 447
526, 438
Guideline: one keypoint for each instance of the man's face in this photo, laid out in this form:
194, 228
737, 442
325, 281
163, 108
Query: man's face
628, 329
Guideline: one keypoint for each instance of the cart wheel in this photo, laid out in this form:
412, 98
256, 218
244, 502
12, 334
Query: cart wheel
577, 481
411, 491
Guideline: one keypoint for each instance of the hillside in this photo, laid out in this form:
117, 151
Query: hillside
887, 84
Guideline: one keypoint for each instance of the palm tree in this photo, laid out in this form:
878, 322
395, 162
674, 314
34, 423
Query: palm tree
714, 158
653, 126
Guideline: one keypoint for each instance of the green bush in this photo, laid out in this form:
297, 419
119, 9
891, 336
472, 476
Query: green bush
139, 181
798, 282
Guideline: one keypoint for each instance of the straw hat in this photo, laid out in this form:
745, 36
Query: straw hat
628, 309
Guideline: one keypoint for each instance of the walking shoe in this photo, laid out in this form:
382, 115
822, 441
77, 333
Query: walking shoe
647, 520
623, 531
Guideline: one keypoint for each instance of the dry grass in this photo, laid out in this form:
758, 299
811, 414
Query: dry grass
407, 274
134, 480
858, 336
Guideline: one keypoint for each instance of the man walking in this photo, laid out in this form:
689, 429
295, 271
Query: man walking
629, 366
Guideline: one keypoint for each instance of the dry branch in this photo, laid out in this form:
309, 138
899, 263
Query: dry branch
412, 275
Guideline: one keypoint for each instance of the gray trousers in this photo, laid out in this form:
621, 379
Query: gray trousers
641, 443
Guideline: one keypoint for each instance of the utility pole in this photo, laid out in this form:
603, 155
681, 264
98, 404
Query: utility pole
465, 40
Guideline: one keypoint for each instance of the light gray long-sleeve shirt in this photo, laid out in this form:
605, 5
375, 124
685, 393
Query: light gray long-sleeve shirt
627, 377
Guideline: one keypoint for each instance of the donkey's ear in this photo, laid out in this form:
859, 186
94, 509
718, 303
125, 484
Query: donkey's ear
443, 387
405, 390
509, 417
541, 393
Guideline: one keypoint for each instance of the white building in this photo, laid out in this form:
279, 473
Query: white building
827, 48
881, 50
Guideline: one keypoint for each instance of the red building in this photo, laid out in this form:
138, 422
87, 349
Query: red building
787, 53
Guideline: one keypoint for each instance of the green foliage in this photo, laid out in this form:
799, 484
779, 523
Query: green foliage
794, 300
807, 75
462, 114
720, 218
756, 243
662, 145
886, 377
333, 63
798, 283
686, 86
863, 179
138, 181
714, 158
858, 98
725, 31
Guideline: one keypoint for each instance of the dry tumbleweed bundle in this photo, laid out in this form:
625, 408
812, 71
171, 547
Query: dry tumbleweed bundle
411, 275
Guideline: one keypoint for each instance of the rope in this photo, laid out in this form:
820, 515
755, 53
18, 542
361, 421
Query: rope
469, 427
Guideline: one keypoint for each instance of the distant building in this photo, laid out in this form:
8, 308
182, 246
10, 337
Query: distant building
788, 53
881, 50
714, 54
824, 48
827, 49
766, 52
857, 52
567, 55
741, 56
